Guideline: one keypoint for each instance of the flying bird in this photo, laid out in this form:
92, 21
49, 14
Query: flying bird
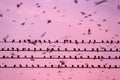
100, 2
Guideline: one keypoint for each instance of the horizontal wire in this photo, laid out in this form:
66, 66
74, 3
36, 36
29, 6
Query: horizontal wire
64, 50
65, 66
64, 41
59, 57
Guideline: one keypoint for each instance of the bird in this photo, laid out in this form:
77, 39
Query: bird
1, 15
100, 2
49, 21
76, 1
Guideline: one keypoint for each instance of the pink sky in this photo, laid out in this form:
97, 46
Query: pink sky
67, 22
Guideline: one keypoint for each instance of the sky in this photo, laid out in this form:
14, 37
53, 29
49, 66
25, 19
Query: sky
59, 20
